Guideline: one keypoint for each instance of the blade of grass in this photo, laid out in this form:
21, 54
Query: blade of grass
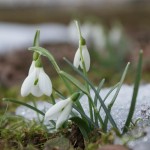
135, 92
85, 116
98, 90
115, 96
111, 90
95, 99
74, 81
22, 103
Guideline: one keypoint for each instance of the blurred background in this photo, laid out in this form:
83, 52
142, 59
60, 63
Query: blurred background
115, 31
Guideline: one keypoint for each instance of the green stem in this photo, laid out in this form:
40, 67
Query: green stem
83, 67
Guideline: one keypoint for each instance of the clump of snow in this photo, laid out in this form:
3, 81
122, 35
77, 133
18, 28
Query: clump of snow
121, 106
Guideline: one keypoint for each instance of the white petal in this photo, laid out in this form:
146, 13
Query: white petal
55, 109
86, 57
76, 61
27, 84
53, 117
64, 115
45, 83
32, 67
36, 91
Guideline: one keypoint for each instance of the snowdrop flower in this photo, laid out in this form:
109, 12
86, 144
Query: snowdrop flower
99, 37
86, 57
31, 69
37, 82
61, 110
115, 34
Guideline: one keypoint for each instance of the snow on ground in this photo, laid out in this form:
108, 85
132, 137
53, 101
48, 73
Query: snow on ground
119, 113
119, 110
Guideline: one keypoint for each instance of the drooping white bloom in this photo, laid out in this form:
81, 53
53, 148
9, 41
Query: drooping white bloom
99, 37
115, 35
61, 111
32, 67
37, 82
86, 57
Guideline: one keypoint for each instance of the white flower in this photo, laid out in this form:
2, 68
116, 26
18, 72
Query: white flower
32, 67
99, 37
86, 57
61, 111
115, 35
37, 82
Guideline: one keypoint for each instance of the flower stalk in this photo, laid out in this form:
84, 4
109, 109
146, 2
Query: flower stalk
82, 43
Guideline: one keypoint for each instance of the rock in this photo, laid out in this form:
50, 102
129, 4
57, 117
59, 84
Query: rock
113, 147
58, 143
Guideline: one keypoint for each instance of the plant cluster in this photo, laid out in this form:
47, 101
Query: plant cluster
38, 83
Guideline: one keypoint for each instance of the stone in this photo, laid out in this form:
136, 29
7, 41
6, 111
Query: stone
58, 143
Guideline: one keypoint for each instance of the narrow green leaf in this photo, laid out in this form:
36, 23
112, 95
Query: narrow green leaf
36, 38
116, 94
59, 94
85, 116
47, 54
98, 90
79, 104
135, 92
22, 103
83, 126
120, 84
74, 81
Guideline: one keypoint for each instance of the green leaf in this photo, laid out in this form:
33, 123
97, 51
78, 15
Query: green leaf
74, 81
36, 38
25, 104
47, 54
116, 94
111, 90
85, 116
98, 90
83, 126
135, 92
59, 94
120, 84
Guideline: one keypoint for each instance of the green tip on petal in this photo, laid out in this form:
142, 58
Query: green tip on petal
35, 56
36, 38
82, 41
141, 51
38, 63
75, 96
